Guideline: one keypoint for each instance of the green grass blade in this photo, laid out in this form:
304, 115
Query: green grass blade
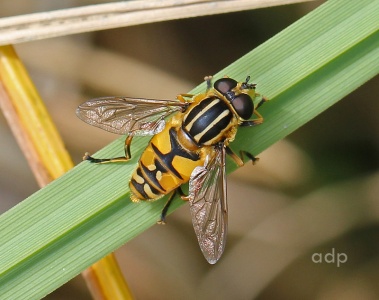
64, 228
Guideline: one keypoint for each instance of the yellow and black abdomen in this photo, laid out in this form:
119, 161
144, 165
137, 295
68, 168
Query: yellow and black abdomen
174, 153
163, 166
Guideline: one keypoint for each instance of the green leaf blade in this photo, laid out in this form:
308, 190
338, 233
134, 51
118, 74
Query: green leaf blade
85, 214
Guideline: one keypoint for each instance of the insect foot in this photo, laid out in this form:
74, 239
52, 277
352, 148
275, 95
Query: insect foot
87, 156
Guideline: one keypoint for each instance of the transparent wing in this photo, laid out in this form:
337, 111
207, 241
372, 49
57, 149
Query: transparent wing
123, 115
207, 198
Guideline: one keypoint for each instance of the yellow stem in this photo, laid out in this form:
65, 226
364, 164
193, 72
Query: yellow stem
43, 147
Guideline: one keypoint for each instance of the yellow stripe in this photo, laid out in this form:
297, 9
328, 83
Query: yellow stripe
149, 192
199, 136
138, 178
213, 103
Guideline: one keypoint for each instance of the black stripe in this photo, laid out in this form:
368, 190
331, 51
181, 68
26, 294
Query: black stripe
197, 110
159, 166
139, 186
166, 161
152, 177
207, 117
176, 150
216, 129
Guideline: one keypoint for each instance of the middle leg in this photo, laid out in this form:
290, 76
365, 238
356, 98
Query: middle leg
239, 159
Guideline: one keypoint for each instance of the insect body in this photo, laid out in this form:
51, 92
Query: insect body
190, 147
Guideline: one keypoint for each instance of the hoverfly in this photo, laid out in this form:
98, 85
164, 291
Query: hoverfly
189, 147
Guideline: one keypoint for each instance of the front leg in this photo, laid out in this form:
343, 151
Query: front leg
253, 122
259, 119
263, 101
208, 80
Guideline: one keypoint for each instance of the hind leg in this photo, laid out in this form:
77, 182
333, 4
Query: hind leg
125, 158
162, 219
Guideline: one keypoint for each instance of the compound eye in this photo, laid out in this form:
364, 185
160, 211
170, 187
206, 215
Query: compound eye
243, 105
224, 85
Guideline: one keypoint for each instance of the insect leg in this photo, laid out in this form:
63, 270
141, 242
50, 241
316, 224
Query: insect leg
253, 122
259, 120
125, 158
183, 196
208, 80
264, 100
128, 142
250, 156
162, 220
182, 97
239, 159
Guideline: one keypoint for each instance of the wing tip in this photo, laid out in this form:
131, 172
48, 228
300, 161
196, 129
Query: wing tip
212, 261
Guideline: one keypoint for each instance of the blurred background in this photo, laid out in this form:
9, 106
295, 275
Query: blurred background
303, 223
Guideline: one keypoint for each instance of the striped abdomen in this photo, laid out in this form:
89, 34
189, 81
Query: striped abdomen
163, 166
207, 121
